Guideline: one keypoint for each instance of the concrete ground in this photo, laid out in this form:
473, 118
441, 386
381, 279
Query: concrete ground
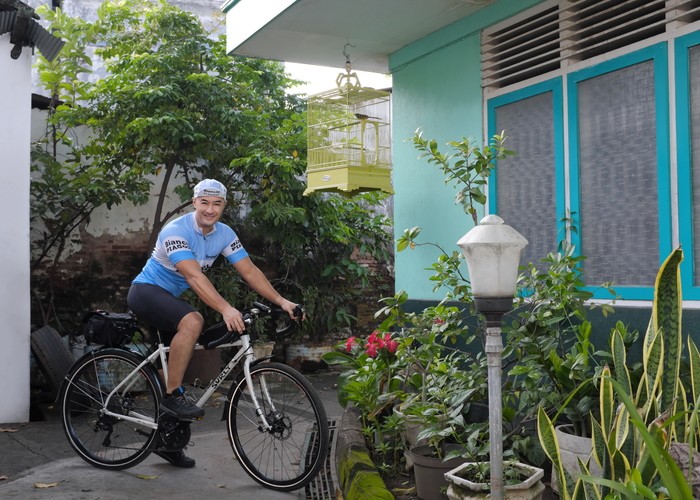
36, 462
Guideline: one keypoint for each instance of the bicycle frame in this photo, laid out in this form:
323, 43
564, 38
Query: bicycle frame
245, 352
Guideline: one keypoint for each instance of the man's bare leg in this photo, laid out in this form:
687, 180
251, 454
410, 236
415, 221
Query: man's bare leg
181, 349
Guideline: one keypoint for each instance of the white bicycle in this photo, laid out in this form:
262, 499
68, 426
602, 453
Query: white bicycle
276, 422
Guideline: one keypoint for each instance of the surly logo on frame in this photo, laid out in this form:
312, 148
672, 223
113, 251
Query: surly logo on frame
174, 244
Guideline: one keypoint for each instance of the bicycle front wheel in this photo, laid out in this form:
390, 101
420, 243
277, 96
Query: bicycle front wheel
110, 441
289, 455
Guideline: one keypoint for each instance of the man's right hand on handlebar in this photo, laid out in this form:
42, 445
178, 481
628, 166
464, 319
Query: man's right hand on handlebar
233, 319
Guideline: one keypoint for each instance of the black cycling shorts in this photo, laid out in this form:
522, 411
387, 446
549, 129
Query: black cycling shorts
158, 308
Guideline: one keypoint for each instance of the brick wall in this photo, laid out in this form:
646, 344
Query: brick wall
96, 276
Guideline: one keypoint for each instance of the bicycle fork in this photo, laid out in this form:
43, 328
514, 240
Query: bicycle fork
264, 426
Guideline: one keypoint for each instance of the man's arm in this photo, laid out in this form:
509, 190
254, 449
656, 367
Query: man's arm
256, 280
201, 285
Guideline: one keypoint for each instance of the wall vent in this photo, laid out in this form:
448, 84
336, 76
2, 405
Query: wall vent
558, 33
522, 50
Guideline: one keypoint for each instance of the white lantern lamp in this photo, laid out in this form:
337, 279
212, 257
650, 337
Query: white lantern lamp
492, 250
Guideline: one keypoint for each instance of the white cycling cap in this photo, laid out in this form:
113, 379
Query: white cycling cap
210, 187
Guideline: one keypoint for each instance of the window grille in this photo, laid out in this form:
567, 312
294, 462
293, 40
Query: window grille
555, 34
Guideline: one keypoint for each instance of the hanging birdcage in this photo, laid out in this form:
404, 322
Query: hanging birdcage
349, 138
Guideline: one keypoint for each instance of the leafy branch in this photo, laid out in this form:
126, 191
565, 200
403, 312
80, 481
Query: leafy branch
467, 165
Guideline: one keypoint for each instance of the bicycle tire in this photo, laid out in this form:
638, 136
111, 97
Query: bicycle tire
104, 441
289, 456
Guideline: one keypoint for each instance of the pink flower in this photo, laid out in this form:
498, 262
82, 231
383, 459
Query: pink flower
349, 343
371, 350
375, 342
391, 346
439, 321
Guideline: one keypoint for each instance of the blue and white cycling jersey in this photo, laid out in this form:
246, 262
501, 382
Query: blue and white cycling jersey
181, 239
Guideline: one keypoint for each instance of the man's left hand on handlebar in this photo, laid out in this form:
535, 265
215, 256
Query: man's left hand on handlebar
292, 309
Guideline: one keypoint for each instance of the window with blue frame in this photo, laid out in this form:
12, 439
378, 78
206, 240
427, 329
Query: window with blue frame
687, 61
619, 164
529, 183
616, 182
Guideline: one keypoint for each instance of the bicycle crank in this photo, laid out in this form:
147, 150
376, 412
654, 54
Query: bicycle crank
174, 434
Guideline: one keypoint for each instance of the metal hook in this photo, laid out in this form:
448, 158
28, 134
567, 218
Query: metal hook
348, 66
345, 51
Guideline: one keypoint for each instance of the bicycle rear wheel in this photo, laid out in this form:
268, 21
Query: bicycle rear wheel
288, 456
110, 442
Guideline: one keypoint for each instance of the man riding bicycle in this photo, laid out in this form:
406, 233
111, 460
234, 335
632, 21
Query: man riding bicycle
186, 248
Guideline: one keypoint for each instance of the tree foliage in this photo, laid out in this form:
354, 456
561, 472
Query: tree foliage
175, 104
172, 108
67, 185
171, 104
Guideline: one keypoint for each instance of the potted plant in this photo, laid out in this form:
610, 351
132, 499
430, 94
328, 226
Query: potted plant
449, 384
550, 356
429, 467
471, 481
637, 422
369, 384
415, 375
548, 351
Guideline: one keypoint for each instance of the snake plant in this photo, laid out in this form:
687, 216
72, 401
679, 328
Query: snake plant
636, 425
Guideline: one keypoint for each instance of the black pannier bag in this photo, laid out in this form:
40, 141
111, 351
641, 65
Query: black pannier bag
109, 329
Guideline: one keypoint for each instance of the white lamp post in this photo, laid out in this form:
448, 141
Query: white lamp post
492, 250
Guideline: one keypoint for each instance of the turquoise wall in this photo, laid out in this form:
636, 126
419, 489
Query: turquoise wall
435, 94
437, 88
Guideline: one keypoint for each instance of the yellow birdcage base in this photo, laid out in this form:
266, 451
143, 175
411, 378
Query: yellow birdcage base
349, 180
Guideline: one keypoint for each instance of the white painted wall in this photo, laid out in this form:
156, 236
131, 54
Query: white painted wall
15, 107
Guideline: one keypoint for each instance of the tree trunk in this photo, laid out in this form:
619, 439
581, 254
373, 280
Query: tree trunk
158, 223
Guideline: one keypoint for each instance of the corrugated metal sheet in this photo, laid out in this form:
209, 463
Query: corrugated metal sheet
7, 21
48, 44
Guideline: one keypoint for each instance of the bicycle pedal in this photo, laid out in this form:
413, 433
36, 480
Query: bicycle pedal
174, 419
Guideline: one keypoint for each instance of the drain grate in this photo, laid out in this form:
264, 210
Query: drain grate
323, 485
